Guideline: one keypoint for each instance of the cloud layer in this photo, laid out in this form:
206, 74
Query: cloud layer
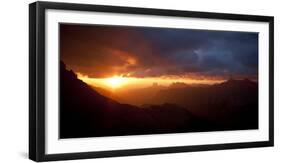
103, 51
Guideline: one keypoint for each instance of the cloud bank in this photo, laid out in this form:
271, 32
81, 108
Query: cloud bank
103, 51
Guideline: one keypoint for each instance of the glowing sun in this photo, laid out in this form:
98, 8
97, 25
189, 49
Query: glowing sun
115, 82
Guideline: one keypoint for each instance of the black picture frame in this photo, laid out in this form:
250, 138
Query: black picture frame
37, 80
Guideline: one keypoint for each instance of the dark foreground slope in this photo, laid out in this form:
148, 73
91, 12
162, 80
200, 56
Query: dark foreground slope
86, 113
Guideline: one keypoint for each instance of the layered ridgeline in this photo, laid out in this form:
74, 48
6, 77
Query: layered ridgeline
232, 104
87, 111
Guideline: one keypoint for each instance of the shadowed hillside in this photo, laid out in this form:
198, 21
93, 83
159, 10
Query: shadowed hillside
231, 104
86, 113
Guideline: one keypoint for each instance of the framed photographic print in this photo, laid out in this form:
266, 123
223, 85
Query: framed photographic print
117, 81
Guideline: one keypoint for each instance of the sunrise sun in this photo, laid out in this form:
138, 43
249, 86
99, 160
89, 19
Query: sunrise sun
115, 81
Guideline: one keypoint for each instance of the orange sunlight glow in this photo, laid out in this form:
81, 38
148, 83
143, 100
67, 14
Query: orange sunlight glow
121, 82
115, 81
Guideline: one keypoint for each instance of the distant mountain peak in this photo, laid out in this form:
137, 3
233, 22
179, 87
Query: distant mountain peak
178, 85
231, 80
238, 83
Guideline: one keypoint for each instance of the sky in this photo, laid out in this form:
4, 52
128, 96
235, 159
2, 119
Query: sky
99, 51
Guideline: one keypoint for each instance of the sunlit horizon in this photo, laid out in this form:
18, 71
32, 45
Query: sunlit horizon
120, 82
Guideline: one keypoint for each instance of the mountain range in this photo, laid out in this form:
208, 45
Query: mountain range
87, 111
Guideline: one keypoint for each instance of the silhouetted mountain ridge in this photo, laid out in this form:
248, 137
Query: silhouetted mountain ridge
86, 113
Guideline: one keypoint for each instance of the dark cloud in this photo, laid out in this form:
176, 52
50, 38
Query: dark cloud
102, 51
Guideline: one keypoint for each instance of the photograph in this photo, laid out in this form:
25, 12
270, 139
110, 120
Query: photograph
111, 81
117, 80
